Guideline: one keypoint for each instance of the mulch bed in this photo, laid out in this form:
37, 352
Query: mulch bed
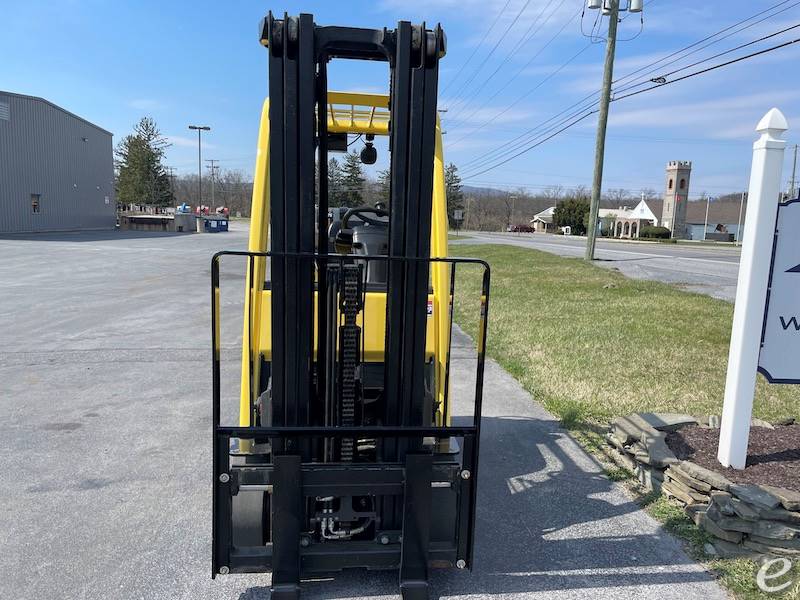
773, 456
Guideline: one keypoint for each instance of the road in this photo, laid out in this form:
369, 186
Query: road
703, 269
105, 464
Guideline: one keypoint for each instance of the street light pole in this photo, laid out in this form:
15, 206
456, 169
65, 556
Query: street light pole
200, 129
213, 168
739, 223
612, 6
705, 224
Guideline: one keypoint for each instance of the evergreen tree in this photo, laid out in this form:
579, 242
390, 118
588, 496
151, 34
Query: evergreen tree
573, 212
353, 179
453, 191
141, 178
384, 186
335, 184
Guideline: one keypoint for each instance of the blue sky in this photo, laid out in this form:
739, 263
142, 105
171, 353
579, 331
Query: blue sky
200, 62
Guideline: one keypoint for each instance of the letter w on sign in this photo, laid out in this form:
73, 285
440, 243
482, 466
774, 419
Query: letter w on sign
780, 338
791, 322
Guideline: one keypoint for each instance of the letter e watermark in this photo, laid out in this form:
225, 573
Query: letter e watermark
764, 575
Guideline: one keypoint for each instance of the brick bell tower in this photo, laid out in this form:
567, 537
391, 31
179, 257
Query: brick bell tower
676, 195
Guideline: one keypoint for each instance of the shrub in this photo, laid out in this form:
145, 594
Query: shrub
657, 233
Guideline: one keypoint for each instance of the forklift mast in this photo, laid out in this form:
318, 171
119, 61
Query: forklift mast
344, 455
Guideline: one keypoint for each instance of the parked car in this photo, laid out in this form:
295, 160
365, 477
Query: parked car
520, 229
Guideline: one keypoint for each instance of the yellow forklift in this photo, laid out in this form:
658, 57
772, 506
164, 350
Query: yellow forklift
345, 455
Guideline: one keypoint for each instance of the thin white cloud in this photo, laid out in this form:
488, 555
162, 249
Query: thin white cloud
712, 114
188, 142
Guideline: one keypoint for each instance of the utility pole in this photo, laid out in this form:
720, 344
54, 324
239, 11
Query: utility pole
612, 6
200, 129
213, 167
705, 224
739, 224
793, 182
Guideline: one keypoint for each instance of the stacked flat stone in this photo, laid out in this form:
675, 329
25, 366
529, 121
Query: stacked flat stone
752, 520
744, 520
640, 445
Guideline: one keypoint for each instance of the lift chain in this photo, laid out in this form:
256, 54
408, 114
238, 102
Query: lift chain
350, 336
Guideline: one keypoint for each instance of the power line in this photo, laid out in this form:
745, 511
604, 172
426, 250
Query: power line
578, 120
501, 149
713, 68
491, 52
524, 39
518, 73
475, 50
531, 147
645, 79
713, 35
526, 94
531, 133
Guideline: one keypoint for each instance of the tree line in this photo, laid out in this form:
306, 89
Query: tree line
142, 179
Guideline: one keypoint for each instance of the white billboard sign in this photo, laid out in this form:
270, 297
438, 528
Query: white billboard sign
780, 339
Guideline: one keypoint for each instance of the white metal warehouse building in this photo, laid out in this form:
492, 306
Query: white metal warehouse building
56, 169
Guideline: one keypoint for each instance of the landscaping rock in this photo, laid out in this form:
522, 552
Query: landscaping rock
776, 530
649, 479
769, 549
677, 473
711, 527
623, 460
667, 421
709, 549
684, 492
671, 490
744, 510
728, 523
714, 421
615, 441
790, 500
793, 544
729, 550
779, 514
630, 429
657, 449
754, 422
715, 480
696, 512
755, 495
722, 500
786, 422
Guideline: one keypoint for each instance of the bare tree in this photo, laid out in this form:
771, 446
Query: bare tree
650, 194
618, 195
554, 193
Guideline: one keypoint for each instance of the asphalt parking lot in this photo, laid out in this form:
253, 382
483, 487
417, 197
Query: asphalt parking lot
105, 459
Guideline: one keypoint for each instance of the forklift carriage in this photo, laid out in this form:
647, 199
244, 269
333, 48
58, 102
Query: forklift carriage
345, 455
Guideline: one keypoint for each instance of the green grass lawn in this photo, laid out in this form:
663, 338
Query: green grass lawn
591, 344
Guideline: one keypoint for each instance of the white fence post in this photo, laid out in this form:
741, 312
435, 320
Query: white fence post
751, 291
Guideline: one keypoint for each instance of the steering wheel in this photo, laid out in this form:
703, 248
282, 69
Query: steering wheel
359, 212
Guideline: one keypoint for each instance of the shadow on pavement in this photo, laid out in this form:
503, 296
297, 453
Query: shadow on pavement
548, 519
